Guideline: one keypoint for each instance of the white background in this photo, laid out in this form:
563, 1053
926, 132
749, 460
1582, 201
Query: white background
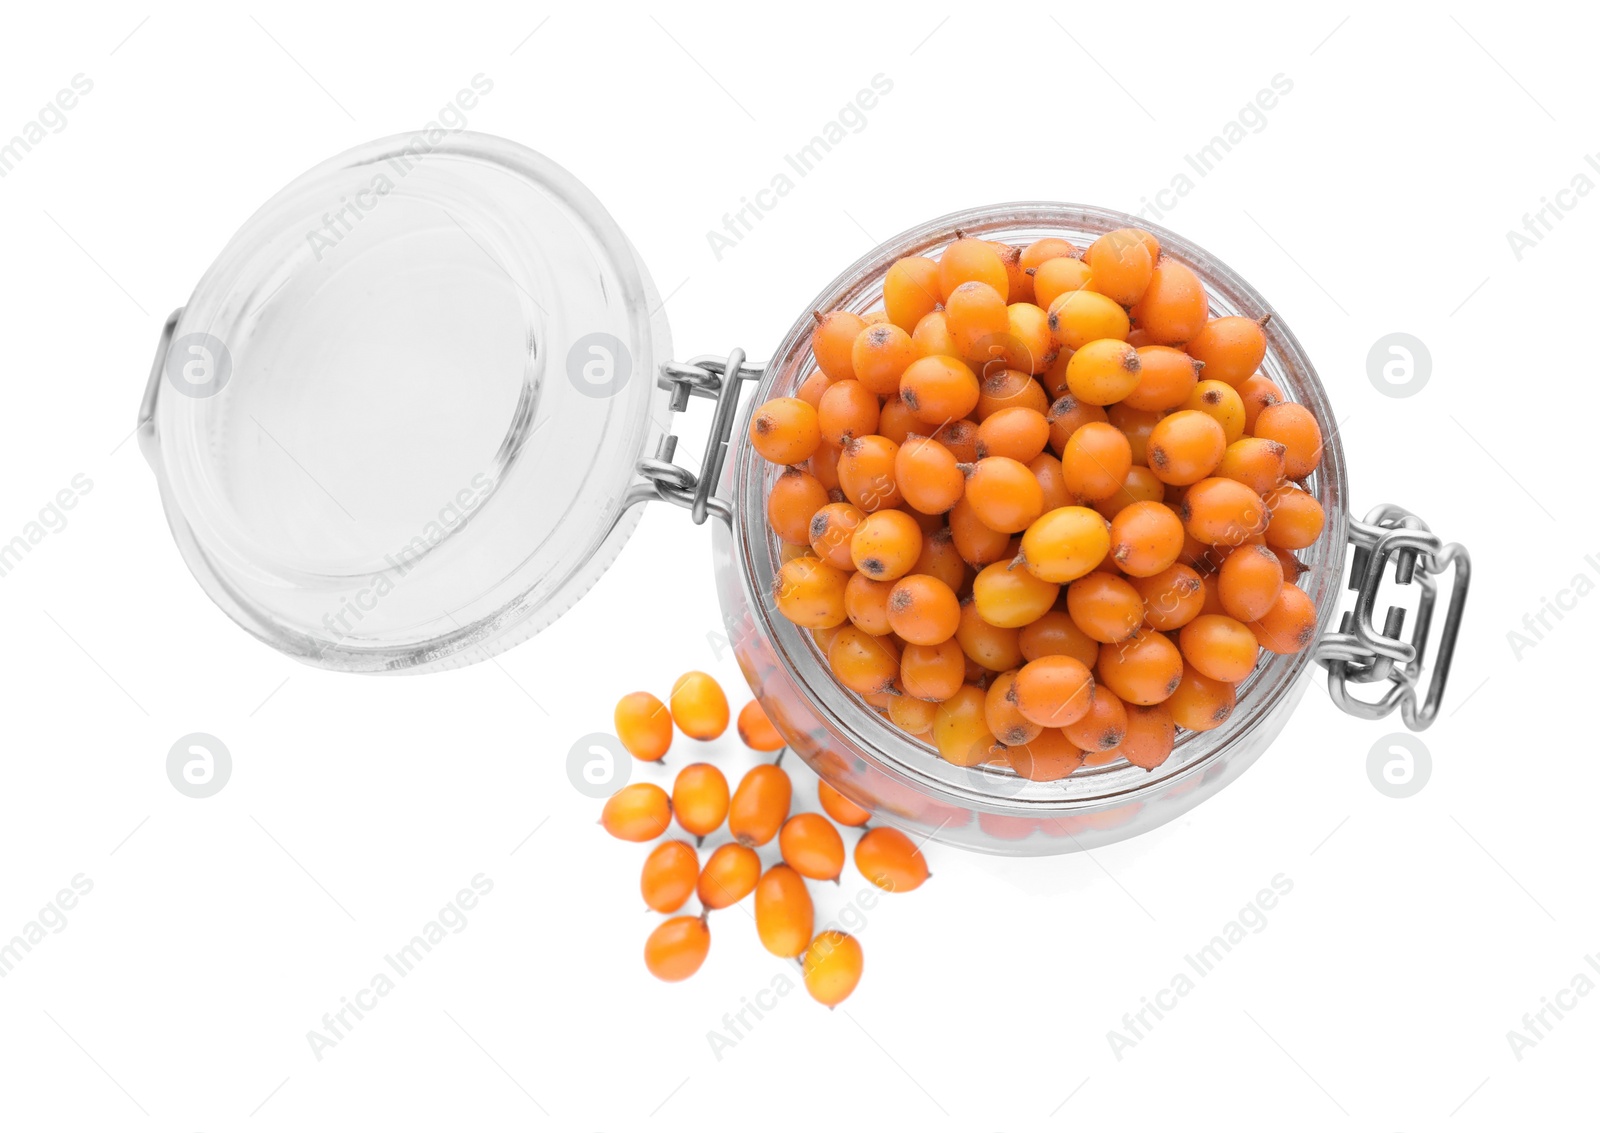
219, 931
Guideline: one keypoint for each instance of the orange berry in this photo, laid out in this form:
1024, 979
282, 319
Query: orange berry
1065, 544
1151, 736
940, 559
1078, 318
1047, 757
939, 389
699, 706
669, 876
700, 798
830, 532
1121, 265
1105, 606
783, 912
811, 390
796, 496
911, 714
927, 475
960, 732
932, 672
896, 420
1291, 623
880, 355
994, 647
841, 809
1249, 581
866, 473
1231, 348
638, 812
1200, 703
1019, 285
1292, 426
729, 876
1146, 538
886, 545
1044, 249
1221, 647
866, 604
1007, 596
922, 610
811, 845
1004, 388
1103, 726
847, 409
911, 291
978, 320
1172, 309
1096, 460
1067, 415
890, 860
1222, 403
1166, 378
1028, 346
832, 341
759, 805
864, 663
1055, 634
677, 948
1054, 691
1141, 670
1297, 518
1018, 432
1257, 393
1054, 278
1186, 447
785, 430
976, 542
971, 261
1172, 598
1255, 462
1003, 494
932, 336
832, 965
756, 729
1001, 713
1223, 512
643, 725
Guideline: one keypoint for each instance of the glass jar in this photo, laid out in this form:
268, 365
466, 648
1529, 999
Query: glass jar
358, 470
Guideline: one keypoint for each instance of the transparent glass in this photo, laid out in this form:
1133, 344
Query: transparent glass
437, 361
991, 808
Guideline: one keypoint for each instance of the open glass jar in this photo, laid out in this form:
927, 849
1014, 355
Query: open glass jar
348, 423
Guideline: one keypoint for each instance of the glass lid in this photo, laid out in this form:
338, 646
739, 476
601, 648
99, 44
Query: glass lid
395, 426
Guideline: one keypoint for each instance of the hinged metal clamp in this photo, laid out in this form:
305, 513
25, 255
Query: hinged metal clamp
706, 376
1362, 654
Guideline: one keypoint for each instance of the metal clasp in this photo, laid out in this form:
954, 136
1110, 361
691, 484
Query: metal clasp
706, 376
1360, 653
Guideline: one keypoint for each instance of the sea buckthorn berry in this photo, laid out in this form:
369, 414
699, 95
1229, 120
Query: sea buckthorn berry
932, 336
927, 475
886, 545
1103, 371
1120, 265
1018, 433
1291, 623
643, 725
890, 860
783, 912
1136, 425
1249, 581
729, 876
832, 341
941, 560
978, 543
1172, 309
1141, 670
840, 808
700, 798
1000, 712
1003, 493
1166, 378
1231, 348
912, 715
1255, 462
939, 389
847, 409
1055, 277
699, 706
1078, 318
1065, 544
1055, 634
1138, 486
1211, 599
1293, 568
866, 604
1220, 402
810, 592
1257, 393
811, 846
824, 465
1046, 468
932, 672
830, 531
1005, 388
977, 317
1043, 249
756, 729
795, 497
922, 610
864, 663
880, 355
639, 812
1067, 415
1221, 647
960, 732
1146, 538
1172, 598
971, 261
866, 473
1200, 703
1223, 512
1106, 607
1186, 447
669, 876
1047, 757
1151, 736
897, 421
1096, 460
832, 966
1010, 597
1103, 726
991, 646
961, 438
1297, 519
785, 430
911, 291
1054, 692
1019, 285
677, 948
1292, 426
759, 805
1028, 345
811, 390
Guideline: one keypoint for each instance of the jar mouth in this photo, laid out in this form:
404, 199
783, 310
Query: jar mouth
757, 550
